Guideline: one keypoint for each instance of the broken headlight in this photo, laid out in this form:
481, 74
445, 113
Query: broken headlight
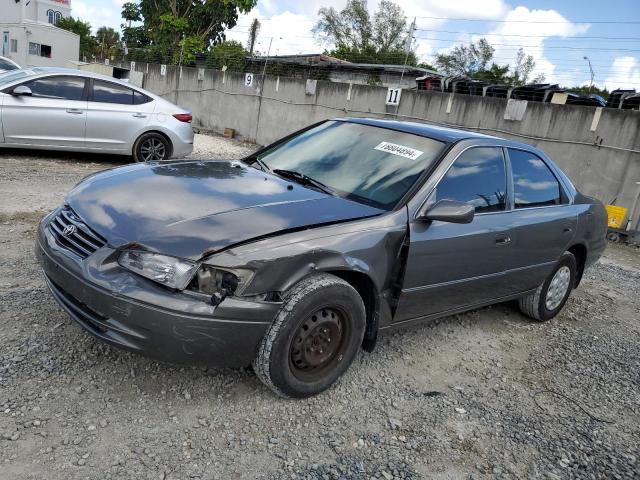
221, 282
169, 271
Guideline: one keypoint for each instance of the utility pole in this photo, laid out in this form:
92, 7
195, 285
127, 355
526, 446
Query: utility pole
409, 42
592, 75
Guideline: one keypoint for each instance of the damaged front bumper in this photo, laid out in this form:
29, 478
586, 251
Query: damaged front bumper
135, 314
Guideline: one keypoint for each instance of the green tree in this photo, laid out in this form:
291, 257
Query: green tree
131, 13
108, 42
170, 22
466, 60
83, 29
229, 53
253, 35
476, 61
357, 37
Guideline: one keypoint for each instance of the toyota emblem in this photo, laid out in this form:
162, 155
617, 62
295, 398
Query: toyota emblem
69, 230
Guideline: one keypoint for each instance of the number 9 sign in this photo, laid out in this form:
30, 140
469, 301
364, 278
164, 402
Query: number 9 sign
393, 96
248, 79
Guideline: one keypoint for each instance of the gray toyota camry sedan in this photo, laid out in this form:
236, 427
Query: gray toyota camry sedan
295, 257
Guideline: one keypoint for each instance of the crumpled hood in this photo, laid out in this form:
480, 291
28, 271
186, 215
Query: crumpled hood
187, 209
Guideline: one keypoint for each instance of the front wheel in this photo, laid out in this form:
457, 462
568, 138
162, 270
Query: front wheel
313, 339
549, 298
151, 147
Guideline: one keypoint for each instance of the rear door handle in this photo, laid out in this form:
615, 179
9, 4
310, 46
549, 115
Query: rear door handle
139, 115
75, 111
503, 240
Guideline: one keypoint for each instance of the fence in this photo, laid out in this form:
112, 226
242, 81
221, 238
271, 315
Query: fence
598, 148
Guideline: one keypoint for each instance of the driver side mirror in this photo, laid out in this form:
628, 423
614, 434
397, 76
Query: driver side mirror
21, 91
449, 211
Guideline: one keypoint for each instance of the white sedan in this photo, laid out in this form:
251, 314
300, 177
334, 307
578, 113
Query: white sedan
7, 64
73, 110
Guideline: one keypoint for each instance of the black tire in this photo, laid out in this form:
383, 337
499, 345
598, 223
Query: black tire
329, 308
535, 305
151, 147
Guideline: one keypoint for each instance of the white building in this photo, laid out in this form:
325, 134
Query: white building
30, 37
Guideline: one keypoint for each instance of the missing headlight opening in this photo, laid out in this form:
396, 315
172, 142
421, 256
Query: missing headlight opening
220, 283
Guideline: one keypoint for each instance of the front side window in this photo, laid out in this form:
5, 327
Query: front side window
367, 164
60, 88
50, 16
107, 92
534, 185
14, 45
478, 177
57, 16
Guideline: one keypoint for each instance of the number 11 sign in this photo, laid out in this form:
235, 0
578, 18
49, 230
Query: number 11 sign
393, 96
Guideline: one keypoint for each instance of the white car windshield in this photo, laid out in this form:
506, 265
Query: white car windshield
364, 163
7, 65
10, 76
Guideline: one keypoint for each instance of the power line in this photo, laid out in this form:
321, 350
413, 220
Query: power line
577, 37
608, 22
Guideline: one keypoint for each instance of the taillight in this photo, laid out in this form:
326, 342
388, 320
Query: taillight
183, 117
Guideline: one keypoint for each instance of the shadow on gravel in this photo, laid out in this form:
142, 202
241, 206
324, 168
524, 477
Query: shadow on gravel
60, 155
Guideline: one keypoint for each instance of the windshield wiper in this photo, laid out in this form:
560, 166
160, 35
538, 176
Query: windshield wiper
304, 179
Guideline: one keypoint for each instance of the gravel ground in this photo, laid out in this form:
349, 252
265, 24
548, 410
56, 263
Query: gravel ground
485, 394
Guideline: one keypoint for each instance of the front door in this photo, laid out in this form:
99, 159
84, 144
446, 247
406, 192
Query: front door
458, 265
116, 116
54, 115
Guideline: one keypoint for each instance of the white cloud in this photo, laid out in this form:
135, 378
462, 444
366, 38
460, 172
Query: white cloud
624, 73
529, 29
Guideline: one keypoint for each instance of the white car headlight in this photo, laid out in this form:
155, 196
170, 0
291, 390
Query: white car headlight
169, 271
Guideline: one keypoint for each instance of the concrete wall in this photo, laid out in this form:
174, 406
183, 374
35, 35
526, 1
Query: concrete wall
604, 162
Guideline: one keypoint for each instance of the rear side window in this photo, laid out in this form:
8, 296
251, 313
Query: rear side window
534, 185
107, 92
140, 98
478, 177
60, 88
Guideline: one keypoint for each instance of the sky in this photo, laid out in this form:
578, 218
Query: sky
557, 33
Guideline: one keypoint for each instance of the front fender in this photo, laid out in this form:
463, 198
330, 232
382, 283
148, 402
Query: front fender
370, 247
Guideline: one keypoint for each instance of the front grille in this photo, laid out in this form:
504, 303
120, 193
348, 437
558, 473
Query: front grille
82, 241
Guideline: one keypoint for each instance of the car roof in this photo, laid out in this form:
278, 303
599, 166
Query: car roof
36, 71
443, 134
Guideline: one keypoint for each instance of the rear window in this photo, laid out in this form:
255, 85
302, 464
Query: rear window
534, 184
107, 92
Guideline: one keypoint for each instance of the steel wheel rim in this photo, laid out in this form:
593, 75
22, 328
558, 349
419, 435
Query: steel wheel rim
558, 288
318, 344
152, 149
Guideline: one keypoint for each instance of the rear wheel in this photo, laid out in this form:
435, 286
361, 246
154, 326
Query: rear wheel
549, 298
313, 339
151, 147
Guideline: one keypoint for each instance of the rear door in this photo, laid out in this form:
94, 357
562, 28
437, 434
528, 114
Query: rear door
54, 115
543, 221
116, 115
451, 265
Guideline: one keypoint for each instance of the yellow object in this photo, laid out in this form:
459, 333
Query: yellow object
616, 216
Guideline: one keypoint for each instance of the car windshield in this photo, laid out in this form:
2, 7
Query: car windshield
10, 76
7, 65
367, 164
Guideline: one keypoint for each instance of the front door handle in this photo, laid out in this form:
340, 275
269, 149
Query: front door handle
139, 115
503, 240
75, 111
